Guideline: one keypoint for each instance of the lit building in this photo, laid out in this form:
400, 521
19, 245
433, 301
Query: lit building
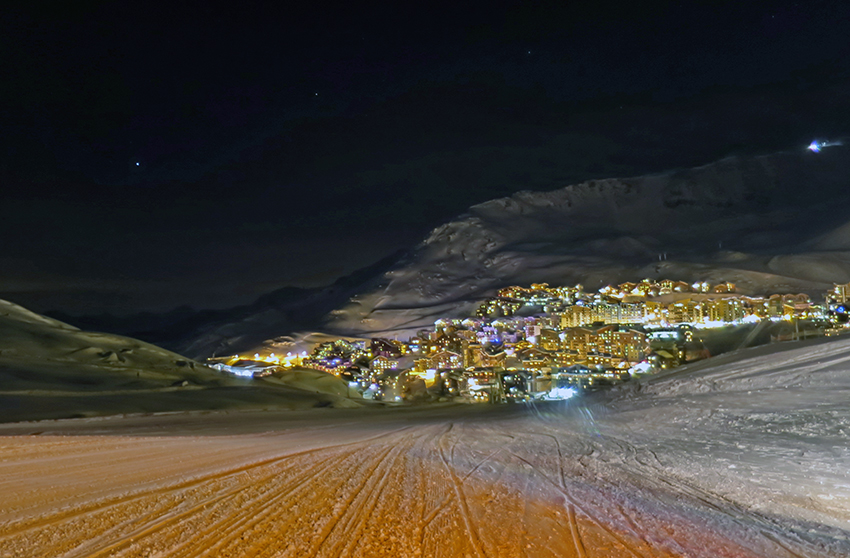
548, 340
576, 316
480, 357
482, 386
534, 359
724, 287
729, 309
450, 342
385, 347
381, 364
838, 294
606, 360
445, 359
624, 344
685, 311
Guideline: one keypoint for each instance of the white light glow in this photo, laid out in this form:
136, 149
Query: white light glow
561, 393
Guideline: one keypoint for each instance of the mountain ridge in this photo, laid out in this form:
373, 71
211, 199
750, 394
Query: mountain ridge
768, 223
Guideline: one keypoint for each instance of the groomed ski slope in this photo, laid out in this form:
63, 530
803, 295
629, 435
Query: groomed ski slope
743, 456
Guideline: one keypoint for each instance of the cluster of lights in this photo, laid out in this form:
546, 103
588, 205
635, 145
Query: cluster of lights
561, 393
542, 344
289, 361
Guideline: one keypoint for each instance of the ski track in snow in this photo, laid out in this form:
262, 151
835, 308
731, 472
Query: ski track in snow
683, 468
446, 489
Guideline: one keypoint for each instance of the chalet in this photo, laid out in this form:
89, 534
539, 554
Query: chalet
385, 348
445, 360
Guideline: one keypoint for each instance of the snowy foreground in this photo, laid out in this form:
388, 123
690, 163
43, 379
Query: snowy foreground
744, 456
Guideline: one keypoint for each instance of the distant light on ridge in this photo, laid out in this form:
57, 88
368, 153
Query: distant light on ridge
817, 146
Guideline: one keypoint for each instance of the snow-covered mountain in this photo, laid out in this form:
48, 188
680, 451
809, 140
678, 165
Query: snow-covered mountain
27, 337
772, 223
50, 369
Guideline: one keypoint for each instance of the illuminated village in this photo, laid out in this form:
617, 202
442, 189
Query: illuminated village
550, 343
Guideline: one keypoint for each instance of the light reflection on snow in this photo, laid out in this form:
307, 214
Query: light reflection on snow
561, 393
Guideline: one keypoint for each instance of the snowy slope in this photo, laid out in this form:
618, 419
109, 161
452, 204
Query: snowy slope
769, 428
49, 369
27, 336
741, 456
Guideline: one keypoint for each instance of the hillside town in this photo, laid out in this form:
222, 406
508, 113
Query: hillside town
542, 342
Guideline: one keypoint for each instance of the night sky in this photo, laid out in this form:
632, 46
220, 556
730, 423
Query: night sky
158, 155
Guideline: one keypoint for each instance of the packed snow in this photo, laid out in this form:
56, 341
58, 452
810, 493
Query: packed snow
743, 455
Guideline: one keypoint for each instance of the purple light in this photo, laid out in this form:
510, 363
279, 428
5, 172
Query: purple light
815, 147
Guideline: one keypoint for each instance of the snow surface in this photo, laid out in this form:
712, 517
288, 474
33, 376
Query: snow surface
25, 335
49, 369
743, 455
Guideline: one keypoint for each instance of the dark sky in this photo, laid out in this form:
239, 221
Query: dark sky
155, 155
